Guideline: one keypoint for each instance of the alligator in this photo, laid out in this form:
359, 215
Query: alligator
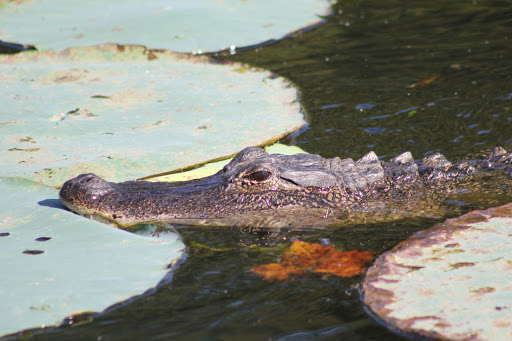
273, 190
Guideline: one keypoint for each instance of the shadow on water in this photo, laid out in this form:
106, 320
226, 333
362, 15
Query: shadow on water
383, 75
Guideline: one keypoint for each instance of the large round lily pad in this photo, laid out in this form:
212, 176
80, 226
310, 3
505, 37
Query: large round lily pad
186, 25
451, 282
124, 112
55, 263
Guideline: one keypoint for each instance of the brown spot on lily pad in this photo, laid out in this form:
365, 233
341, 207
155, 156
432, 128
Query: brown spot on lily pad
467, 219
43, 239
503, 211
33, 252
461, 265
29, 150
485, 290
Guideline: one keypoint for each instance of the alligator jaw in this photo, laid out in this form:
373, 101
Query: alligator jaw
136, 202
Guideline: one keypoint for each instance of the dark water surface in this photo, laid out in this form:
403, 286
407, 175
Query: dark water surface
353, 73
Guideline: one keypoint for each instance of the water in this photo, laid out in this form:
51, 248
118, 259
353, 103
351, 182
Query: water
354, 74
355, 71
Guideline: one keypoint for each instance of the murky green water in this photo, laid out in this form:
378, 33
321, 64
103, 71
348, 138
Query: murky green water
353, 73
369, 54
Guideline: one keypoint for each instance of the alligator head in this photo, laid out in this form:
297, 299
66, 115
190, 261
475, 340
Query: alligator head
258, 189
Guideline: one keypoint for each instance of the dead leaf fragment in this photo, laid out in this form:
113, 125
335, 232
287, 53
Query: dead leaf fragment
302, 257
424, 82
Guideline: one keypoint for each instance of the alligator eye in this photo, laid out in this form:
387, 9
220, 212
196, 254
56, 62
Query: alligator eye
260, 175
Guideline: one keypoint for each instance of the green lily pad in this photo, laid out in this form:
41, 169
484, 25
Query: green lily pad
55, 263
123, 112
451, 282
199, 25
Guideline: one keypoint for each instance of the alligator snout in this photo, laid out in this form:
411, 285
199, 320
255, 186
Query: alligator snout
81, 194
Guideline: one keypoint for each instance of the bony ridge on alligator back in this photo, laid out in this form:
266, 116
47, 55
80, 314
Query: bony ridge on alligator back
272, 190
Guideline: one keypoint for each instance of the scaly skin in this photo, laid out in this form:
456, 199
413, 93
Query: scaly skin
260, 190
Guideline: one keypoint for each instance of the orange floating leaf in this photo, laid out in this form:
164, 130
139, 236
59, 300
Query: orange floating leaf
277, 271
305, 254
346, 263
303, 257
424, 82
